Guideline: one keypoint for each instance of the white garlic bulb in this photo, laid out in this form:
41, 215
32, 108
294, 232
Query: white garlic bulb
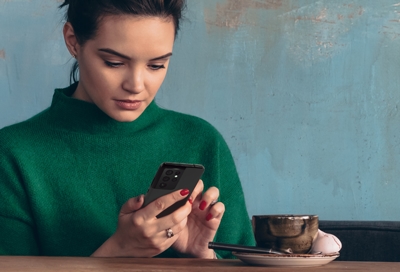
326, 243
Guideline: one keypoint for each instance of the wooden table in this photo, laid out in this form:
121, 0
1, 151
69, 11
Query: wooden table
61, 264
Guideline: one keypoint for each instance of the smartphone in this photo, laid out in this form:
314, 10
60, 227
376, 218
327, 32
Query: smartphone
171, 177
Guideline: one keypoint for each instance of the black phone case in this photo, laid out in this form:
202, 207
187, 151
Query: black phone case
189, 175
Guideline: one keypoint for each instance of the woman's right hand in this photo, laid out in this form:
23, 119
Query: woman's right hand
140, 233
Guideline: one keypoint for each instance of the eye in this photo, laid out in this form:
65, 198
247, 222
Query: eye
113, 64
156, 67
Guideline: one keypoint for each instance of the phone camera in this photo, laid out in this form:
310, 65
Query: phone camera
162, 185
169, 172
165, 178
177, 173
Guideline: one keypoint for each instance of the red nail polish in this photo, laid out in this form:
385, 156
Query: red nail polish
203, 205
184, 192
190, 201
209, 216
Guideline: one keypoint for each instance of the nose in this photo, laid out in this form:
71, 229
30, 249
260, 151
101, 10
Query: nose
134, 81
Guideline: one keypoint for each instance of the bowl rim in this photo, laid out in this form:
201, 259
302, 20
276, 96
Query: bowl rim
286, 216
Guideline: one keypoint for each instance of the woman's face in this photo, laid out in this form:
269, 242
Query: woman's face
122, 68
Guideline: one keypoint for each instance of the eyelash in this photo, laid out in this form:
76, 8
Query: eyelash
156, 67
117, 64
113, 64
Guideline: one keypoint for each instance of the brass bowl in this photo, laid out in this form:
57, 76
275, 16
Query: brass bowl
285, 233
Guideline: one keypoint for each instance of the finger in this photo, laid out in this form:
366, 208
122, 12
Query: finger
175, 218
210, 196
132, 205
216, 211
154, 235
161, 203
197, 191
175, 230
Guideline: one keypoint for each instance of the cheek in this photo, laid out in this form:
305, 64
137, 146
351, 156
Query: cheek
94, 70
101, 76
154, 81
89, 72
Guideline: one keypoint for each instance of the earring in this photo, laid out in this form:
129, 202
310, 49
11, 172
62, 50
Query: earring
73, 56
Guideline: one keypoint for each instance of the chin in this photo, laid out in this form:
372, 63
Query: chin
125, 118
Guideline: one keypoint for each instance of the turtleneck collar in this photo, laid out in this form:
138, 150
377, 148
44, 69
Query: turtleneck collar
81, 116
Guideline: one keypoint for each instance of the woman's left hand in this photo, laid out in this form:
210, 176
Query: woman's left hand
202, 223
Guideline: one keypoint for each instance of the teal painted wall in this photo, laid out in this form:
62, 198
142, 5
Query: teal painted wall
305, 92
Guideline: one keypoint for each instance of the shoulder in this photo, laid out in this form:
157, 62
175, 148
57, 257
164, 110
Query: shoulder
191, 125
23, 132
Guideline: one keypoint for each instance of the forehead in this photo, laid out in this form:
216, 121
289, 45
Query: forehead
135, 34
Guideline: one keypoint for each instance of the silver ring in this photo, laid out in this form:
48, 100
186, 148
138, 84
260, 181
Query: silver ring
170, 233
213, 202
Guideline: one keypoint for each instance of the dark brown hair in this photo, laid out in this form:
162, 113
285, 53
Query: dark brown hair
85, 15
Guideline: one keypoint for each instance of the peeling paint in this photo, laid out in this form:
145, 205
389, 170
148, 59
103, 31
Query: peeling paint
391, 34
2, 54
319, 30
320, 18
230, 14
391, 29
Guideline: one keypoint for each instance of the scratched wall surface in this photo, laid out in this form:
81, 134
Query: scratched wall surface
305, 92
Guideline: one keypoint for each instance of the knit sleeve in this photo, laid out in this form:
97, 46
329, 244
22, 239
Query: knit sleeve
235, 227
17, 235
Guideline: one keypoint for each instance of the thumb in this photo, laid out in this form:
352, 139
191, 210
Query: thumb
132, 205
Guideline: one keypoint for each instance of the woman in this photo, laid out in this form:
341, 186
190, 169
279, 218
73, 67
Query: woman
68, 174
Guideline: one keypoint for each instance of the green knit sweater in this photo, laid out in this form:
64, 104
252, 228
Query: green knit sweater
66, 172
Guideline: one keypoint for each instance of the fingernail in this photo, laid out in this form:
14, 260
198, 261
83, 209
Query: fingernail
184, 192
209, 216
203, 205
190, 201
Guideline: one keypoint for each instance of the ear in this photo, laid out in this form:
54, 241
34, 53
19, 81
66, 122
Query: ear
70, 39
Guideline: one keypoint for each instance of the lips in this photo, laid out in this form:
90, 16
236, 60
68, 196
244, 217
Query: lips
128, 104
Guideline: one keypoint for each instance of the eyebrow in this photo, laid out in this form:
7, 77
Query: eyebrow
113, 52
